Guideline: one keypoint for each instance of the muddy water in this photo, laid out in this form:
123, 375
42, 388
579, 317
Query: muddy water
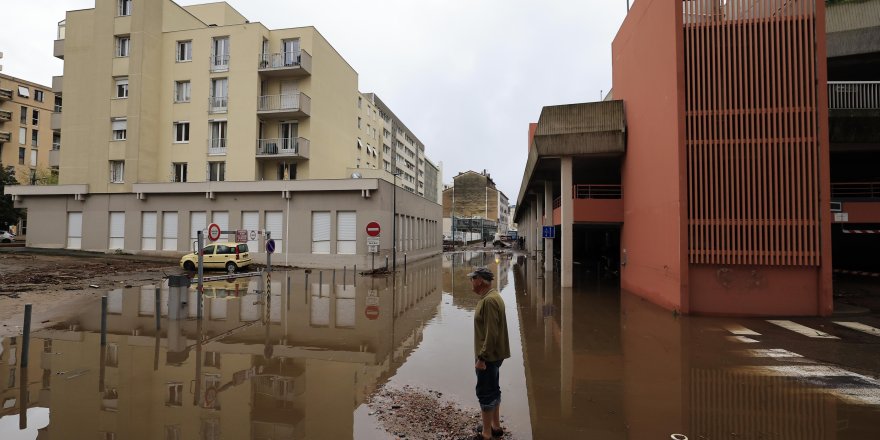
302, 361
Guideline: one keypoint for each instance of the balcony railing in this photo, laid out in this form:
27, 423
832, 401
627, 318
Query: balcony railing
283, 147
5, 94
855, 190
301, 61
5, 116
296, 102
218, 104
5, 136
854, 95
216, 146
593, 192
219, 63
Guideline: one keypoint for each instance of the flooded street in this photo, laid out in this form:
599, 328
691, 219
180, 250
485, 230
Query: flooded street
303, 361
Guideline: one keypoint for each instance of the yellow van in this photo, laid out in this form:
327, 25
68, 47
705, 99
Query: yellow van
228, 255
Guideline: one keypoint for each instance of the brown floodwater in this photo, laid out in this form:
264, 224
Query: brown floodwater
299, 360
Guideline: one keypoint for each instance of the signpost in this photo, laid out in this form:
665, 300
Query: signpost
373, 229
372, 312
213, 232
270, 246
548, 232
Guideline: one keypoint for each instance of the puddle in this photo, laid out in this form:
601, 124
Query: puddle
303, 361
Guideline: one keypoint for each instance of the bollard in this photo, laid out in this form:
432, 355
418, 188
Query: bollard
344, 275
404, 263
386, 263
26, 338
158, 309
103, 320
354, 276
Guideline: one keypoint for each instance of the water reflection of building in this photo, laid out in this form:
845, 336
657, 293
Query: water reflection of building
611, 366
457, 265
325, 347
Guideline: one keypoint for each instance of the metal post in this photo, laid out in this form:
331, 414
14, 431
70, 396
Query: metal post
26, 339
373, 262
345, 275
394, 227
200, 250
354, 276
333, 277
23, 398
103, 320
158, 309
268, 254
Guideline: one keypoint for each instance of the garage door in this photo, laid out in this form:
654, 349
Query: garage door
222, 220
250, 220
74, 230
275, 225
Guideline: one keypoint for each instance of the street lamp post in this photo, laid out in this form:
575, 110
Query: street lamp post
394, 224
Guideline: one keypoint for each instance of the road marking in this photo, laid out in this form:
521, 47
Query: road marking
743, 339
770, 353
740, 330
868, 393
802, 329
860, 327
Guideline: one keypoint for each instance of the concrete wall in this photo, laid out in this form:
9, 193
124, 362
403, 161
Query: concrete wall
647, 74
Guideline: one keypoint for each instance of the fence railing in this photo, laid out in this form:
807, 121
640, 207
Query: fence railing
217, 146
283, 147
219, 63
592, 192
292, 102
855, 190
285, 60
854, 95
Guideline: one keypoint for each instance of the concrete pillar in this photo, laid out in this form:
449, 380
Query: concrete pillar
566, 348
567, 220
533, 240
548, 220
539, 225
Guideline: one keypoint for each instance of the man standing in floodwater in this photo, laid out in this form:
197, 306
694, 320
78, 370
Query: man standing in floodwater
491, 348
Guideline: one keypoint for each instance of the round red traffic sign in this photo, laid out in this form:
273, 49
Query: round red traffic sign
213, 232
373, 229
372, 312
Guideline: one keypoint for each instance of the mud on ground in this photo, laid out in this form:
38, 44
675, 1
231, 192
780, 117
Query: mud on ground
56, 285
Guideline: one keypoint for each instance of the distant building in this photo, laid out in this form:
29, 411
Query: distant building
29, 130
474, 207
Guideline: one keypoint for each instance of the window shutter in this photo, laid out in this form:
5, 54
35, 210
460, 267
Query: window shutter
346, 232
275, 225
198, 222
148, 234
117, 230
320, 232
169, 231
222, 220
74, 230
119, 124
250, 220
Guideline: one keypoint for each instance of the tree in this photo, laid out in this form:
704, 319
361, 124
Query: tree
9, 215
41, 176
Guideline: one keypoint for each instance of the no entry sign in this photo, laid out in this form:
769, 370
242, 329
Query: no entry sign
213, 231
372, 312
373, 229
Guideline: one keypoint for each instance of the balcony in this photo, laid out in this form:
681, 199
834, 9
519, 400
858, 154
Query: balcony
55, 156
217, 147
854, 113
55, 124
57, 82
5, 116
219, 63
285, 64
58, 49
5, 95
593, 204
853, 95
294, 105
218, 104
283, 147
5, 136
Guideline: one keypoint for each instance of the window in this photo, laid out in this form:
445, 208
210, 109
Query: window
119, 127
23, 118
174, 396
123, 46
34, 136
219, 92
321, 232
21, 154
359, 101
184, 51
287, 171
218, 137
346, 232
275, 226
117, 171
181, 132
35, 117
121, 87
38, 95
178, 172
24, 92
182, 91
216, 171
220, 54
124, 8
57, 104
172, 432
169, 231
359, 122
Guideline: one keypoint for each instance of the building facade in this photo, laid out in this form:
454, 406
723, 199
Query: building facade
29, 130
474, 208
711, 196
206, 112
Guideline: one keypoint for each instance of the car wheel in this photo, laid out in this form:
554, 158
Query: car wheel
190, 266
231, 267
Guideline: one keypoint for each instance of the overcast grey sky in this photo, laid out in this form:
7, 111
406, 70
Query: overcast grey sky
467, 76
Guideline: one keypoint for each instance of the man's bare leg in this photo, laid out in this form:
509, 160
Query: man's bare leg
496, 417
487, 423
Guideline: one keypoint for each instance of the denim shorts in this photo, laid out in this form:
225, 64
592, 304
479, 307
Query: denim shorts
488, 390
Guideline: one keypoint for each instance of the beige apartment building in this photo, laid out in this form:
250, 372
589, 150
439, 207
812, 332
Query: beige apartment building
29, 130
197, 111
